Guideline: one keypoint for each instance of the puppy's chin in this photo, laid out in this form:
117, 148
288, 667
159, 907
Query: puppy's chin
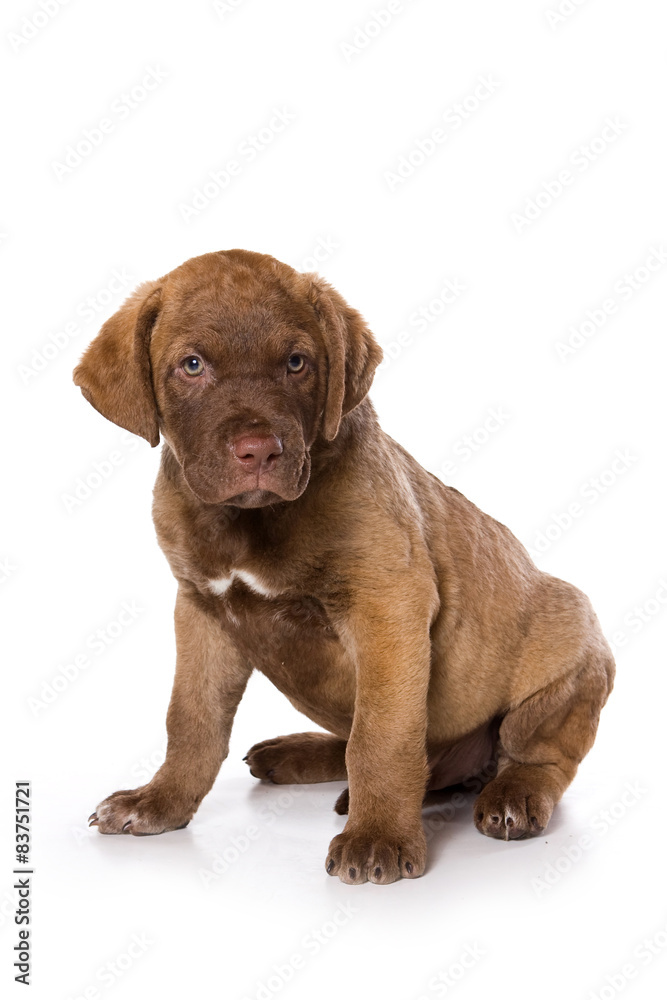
246, 491
259, 497
254, 498
257, 493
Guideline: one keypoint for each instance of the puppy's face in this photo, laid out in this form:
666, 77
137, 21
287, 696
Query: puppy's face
240, 362
239, 371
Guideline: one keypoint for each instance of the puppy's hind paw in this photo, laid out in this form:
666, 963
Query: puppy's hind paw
342, 806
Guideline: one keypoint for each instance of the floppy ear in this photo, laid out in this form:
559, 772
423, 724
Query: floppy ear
353, 353
114, 374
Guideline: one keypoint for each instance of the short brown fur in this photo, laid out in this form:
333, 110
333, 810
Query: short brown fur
392, 612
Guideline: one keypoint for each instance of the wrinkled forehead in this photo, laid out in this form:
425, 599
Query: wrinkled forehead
232, 311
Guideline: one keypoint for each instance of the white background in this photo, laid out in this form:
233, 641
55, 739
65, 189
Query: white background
544, 918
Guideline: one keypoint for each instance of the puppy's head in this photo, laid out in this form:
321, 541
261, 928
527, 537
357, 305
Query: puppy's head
241, 363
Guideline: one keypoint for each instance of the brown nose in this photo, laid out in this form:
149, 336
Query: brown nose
257, 454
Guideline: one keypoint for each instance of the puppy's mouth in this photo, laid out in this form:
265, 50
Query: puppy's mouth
236, 488
254, 498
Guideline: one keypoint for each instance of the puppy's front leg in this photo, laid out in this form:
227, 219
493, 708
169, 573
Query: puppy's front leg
386, 752
210, 680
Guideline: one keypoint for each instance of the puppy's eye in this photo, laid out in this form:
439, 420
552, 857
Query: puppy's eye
295, 363
193, 365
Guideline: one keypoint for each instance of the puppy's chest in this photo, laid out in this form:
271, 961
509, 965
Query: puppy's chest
256, 585
221, 585
260, 604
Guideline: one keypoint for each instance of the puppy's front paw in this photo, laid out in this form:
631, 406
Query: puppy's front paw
357, 856
144, 811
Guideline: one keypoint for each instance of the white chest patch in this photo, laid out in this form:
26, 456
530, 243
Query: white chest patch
222, 585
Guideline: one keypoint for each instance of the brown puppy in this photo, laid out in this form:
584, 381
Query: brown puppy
309, 545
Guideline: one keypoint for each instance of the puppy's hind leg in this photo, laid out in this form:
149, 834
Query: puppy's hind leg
542, 742
301, 758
